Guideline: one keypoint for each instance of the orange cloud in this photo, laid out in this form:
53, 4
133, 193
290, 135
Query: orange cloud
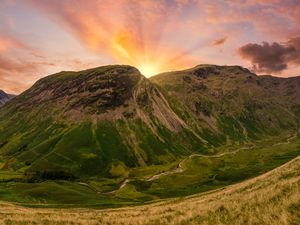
144, 33
153, 35
128, 30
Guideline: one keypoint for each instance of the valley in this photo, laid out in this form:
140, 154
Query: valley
108, 137
179, 168
271, 198
149, 112
142, 186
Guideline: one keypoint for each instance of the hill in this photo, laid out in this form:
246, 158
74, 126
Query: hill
270, 199
108, 136
230, 104
90, 121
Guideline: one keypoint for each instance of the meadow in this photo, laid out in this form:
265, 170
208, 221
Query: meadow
271, 199
197, 174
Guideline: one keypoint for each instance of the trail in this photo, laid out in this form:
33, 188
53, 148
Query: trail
123, 184
288, 141
180, 169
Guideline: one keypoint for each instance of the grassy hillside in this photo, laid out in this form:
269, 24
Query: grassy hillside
231, 105
84, 123
272, 199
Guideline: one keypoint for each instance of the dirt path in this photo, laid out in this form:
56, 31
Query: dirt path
180, 169
288, 141
123, 184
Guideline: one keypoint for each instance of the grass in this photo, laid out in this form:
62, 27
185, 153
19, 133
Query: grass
58, 194
203, 174
271, 199
6, 176
199, 175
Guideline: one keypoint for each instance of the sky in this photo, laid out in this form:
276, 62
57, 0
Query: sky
42, 37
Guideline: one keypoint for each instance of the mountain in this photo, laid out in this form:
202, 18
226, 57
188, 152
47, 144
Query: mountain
230, 104
92, 121
4, 97
103, 121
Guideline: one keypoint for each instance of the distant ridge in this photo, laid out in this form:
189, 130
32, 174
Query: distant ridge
4, 97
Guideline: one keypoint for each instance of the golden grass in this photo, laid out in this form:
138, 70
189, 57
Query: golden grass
271, 198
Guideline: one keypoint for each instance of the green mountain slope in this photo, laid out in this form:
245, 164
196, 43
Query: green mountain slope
229, 104
87, 122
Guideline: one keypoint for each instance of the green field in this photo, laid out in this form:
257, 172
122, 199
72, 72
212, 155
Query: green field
199, 174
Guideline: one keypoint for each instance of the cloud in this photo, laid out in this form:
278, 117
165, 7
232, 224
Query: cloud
8, 42
219, 41
161, 34
276, 18
17, 75
129, 31
274, 57
295, 43
109, 26
19, 64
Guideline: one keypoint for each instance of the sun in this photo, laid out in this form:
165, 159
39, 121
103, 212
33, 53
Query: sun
148, 69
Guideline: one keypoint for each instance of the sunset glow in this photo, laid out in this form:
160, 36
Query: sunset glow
39, 37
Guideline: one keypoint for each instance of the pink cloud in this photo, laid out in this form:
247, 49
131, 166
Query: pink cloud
160, 34
130, 31
8, 42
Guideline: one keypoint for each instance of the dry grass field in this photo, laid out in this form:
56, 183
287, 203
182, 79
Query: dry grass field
272, 198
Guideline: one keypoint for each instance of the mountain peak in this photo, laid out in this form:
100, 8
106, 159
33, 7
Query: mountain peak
105, 86
103, 93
